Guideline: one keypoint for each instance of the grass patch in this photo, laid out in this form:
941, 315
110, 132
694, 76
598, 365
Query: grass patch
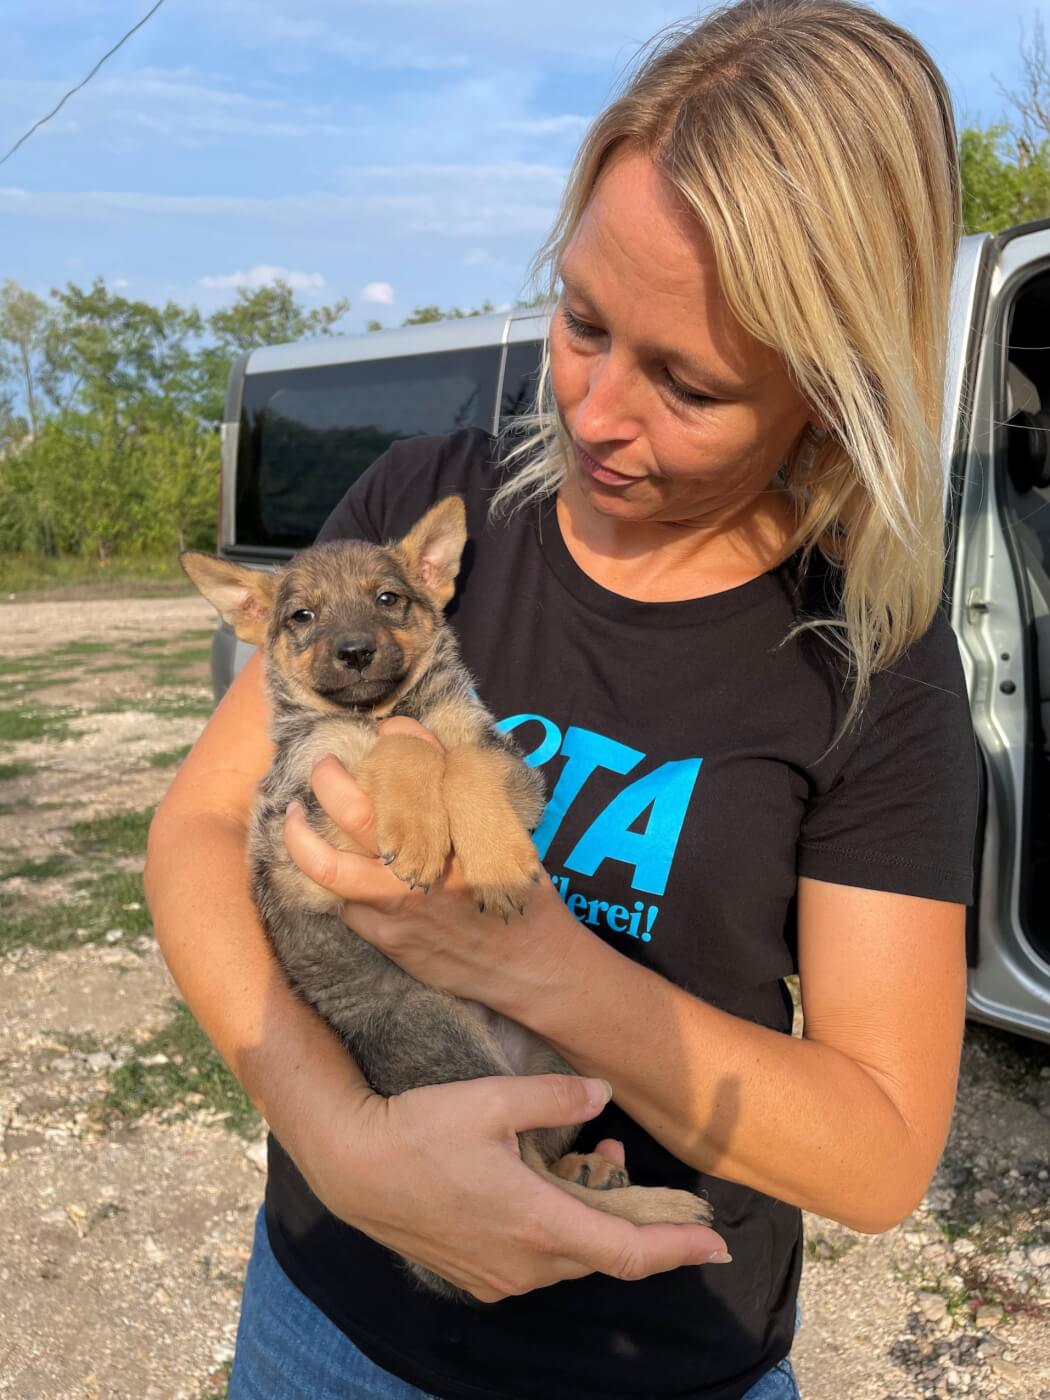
120, 834
18, 665
10, 771
108, 898
52, 924
163, 706
20, 573
40, 722
80, 649
45, 869
169, 758
47, 924
192, 1067
12, 689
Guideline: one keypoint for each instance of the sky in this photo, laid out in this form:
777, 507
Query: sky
394, 152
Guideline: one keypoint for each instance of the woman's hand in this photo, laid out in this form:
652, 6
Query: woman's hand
435, 1174
439, 937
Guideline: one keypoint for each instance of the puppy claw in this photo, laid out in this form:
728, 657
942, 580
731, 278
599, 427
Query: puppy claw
388, 857
481, 906
425, 889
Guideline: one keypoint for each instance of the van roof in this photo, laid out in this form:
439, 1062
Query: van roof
466, 333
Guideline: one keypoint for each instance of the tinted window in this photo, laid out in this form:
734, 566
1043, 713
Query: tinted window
307, 434
519, 378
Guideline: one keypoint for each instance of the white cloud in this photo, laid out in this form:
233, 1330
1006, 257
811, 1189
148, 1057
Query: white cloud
382, 293
566, 125
265, 275
481, 203
119, 284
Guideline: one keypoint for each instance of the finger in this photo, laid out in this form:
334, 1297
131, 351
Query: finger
612, 1151
345, 802
546, 1100
345, 874
411, 729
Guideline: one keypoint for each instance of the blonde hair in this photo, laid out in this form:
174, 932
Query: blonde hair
816, 143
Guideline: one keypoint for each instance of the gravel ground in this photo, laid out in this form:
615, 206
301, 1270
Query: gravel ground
124, 1233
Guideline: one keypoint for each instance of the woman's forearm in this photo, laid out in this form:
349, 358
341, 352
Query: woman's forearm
287, 1060
796, 1119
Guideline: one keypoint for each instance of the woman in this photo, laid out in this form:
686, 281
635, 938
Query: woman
706, 605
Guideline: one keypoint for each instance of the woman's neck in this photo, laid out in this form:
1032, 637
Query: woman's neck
669, 561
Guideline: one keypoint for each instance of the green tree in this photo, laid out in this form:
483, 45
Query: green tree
25, 335
262, 316
129, 360
1005, 180
424, 315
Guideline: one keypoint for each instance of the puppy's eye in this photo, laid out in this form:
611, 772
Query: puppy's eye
388, 600
302, 616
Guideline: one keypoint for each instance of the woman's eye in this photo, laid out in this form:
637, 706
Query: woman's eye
387, 600
579, 328
302, 616
683, 395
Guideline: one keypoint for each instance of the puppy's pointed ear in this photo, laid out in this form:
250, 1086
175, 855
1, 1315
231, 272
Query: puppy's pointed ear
434, 547
243, 596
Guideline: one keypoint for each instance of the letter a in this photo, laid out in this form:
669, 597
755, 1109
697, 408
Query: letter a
666, 791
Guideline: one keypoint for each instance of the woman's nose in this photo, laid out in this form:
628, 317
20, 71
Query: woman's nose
604, 413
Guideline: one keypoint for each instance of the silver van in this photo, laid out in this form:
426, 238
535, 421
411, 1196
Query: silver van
303, 421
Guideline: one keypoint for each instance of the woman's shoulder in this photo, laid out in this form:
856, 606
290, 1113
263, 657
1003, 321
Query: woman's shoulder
410, 476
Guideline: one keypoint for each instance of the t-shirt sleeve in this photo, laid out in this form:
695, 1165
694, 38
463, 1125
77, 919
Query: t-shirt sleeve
900, 813
400, 486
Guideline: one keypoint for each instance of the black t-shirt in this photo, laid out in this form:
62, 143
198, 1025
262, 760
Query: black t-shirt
685, 748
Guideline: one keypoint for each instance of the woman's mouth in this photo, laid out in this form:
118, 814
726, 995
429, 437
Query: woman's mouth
605, 475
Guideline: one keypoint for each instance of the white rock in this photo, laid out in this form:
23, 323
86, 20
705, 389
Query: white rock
114, 935
932, 1305
256, 1154
1039, 1255
99, 1062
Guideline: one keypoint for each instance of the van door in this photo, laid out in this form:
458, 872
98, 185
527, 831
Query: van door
1001, 614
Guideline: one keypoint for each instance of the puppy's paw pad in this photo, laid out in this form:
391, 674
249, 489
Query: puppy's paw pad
590, 1169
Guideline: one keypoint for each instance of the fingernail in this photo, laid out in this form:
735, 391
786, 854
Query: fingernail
720, 1256
599, 1092
294, 806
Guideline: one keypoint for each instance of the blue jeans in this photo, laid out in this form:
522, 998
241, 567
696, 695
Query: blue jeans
287, 1349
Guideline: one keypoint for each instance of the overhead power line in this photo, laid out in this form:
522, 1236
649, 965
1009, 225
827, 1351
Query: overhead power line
37, 125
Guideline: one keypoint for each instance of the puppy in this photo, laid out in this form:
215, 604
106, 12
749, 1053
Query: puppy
353, 633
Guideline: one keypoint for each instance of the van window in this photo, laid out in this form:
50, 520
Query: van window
519, 378
307, 434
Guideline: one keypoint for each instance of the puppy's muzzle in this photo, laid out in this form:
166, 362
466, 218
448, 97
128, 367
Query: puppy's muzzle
355, 654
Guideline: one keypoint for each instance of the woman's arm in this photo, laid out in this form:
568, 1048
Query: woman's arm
847, 1122
435, 1174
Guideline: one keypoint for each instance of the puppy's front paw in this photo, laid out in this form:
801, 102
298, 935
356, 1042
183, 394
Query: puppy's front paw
497, 857
589, 1169
402, 776
415, 846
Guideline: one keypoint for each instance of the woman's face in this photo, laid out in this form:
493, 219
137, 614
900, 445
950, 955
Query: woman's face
676, 412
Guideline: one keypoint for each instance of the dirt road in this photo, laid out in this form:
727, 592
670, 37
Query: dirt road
130, 1166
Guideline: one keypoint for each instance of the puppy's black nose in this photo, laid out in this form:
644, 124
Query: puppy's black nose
355, 654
